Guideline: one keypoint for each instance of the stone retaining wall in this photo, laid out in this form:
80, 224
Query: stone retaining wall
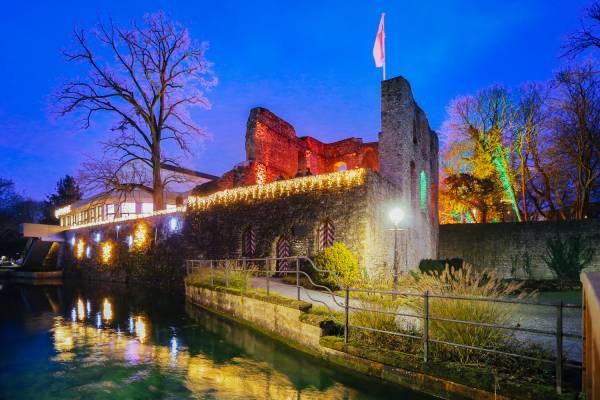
506, 247
282, 320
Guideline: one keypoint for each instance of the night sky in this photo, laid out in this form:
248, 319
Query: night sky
309, 62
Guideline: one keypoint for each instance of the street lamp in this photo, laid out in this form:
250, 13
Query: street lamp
397, 216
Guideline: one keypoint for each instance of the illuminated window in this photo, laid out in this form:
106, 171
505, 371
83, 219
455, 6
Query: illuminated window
423, 187
147, 208
127, 209
171, 207
110, 210
340, 166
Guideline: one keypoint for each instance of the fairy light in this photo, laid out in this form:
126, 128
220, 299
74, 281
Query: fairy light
132, 217
107, 313
261, 174
79, 249
59, 212
331, 181
106, 252
139, 236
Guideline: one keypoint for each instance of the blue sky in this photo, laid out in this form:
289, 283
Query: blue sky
309, 62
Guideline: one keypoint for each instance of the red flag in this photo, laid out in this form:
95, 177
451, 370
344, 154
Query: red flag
379, 46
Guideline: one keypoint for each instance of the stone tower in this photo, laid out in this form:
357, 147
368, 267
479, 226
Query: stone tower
408, 158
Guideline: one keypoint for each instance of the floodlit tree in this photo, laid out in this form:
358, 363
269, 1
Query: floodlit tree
148, 78
475, 199
479, 130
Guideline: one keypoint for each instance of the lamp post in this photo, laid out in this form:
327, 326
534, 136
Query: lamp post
396, 216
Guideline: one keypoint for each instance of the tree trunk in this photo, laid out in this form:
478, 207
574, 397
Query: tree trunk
157, 183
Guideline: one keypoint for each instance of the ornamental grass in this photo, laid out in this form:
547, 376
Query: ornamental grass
465, 282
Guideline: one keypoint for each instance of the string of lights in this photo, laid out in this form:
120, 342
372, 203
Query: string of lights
285, 188
130, 218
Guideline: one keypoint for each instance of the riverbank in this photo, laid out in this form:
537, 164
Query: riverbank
104, 341
286, 319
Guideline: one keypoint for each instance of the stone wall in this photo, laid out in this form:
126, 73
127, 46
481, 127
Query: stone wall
358, 215
408, 157
279, 319
272, 142
507, 246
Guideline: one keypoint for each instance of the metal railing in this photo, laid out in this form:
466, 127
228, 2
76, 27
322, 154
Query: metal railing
346, 304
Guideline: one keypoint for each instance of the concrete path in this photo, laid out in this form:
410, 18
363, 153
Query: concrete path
315, 297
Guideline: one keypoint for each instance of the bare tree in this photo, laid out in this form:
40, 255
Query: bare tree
575, 120
150, 78
587, 36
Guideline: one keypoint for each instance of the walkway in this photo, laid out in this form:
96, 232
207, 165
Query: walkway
312, 296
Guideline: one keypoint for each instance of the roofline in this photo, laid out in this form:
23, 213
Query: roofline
187, 171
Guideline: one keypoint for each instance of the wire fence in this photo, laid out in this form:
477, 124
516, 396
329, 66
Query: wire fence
242, 274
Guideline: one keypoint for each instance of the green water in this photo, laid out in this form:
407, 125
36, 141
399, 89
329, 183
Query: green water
113, 342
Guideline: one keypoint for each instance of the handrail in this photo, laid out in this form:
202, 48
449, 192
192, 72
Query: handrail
366, 306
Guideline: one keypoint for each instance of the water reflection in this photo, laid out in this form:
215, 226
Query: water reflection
169, 351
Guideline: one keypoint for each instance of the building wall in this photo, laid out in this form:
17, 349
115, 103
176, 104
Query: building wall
502, 246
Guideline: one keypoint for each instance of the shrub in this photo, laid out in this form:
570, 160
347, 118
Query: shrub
338, 259
567, 258
217, 277
439, 265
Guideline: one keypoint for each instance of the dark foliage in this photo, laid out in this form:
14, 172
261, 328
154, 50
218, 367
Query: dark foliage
566, 258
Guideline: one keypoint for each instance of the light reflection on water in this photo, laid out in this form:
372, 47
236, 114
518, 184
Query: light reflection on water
107, 348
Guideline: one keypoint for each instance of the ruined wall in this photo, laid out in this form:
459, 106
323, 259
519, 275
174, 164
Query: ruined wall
408, 157
271, 141
506, 246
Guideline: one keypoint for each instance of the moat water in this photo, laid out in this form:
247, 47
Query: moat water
106, 341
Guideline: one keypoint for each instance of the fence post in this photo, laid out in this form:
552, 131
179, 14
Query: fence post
226, 275
559, 346
426, 326
268, 271
298, 277
212, 281
346, 305
245, 274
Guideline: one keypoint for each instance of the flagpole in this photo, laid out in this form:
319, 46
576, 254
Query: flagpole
384, 55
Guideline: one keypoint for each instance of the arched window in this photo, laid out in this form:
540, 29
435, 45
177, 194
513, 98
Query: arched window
423, 188
283, 251
340, 166
326, 234
249, 242
413, 185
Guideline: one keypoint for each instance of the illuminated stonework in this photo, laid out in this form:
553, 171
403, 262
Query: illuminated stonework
278, 189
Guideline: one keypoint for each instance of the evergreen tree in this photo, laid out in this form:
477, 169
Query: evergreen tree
67, 192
